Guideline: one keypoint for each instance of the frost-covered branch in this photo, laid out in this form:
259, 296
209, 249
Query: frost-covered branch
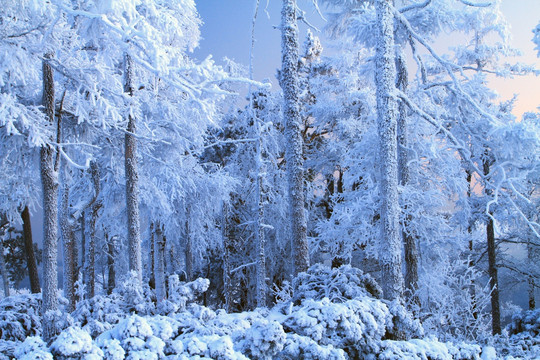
447, 65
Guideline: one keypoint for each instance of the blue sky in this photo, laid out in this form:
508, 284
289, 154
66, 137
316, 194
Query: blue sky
227, 28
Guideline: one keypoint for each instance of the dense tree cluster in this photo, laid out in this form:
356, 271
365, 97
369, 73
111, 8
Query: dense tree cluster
385, 185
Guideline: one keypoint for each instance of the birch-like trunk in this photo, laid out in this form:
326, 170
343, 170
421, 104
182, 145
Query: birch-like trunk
159, 263
132, 179
409, 241
387, 113
293, 154
31, 263
49, 181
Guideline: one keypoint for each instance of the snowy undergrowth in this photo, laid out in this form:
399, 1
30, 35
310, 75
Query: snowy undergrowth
334, 314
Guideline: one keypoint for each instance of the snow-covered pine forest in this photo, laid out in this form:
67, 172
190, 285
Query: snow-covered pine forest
378, 201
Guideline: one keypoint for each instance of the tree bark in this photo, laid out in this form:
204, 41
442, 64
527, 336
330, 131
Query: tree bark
293, 154
387, 113
492, 264
49, 180
5, 277
96, 206
132, 180
151, 265
409, 241
188, 249
531, 282
228, 247
68, 237
111, 253
159, 263
31, 262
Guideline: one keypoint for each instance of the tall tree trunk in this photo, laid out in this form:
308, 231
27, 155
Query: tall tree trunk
293, 154
68, 237
5, 277
492, 264
132, 180
49, 180
228, 247
260, 256
409, 241
188, 249
531, 282
96, 206
31, 263
111, 253
151, 256
159, 263
471, 248
387, 113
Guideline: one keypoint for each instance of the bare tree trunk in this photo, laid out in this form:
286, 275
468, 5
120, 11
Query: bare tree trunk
228, 248
31, 262
409, 241
151, 264
390, 247
96, 206
68, 237
492, 264
49, 180
5, 277
132, 180
111, 253
293, 154
531, 282
188, 249
159, 263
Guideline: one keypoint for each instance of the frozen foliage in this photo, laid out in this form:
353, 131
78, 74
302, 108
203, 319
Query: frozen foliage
75, 343
524, 336
19, 317
33, 348
345, 283
181, 293
354, 325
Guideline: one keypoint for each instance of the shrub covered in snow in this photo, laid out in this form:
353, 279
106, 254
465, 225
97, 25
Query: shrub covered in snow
335, 314
33, 348
523, 337
19, 317
338, 285
75, 343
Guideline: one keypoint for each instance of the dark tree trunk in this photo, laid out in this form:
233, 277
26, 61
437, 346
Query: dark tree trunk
151, 265
96, 206
111, 253
492, 264
3, 270
159, 263
31, 262
229, 249
188, 249
409, 240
